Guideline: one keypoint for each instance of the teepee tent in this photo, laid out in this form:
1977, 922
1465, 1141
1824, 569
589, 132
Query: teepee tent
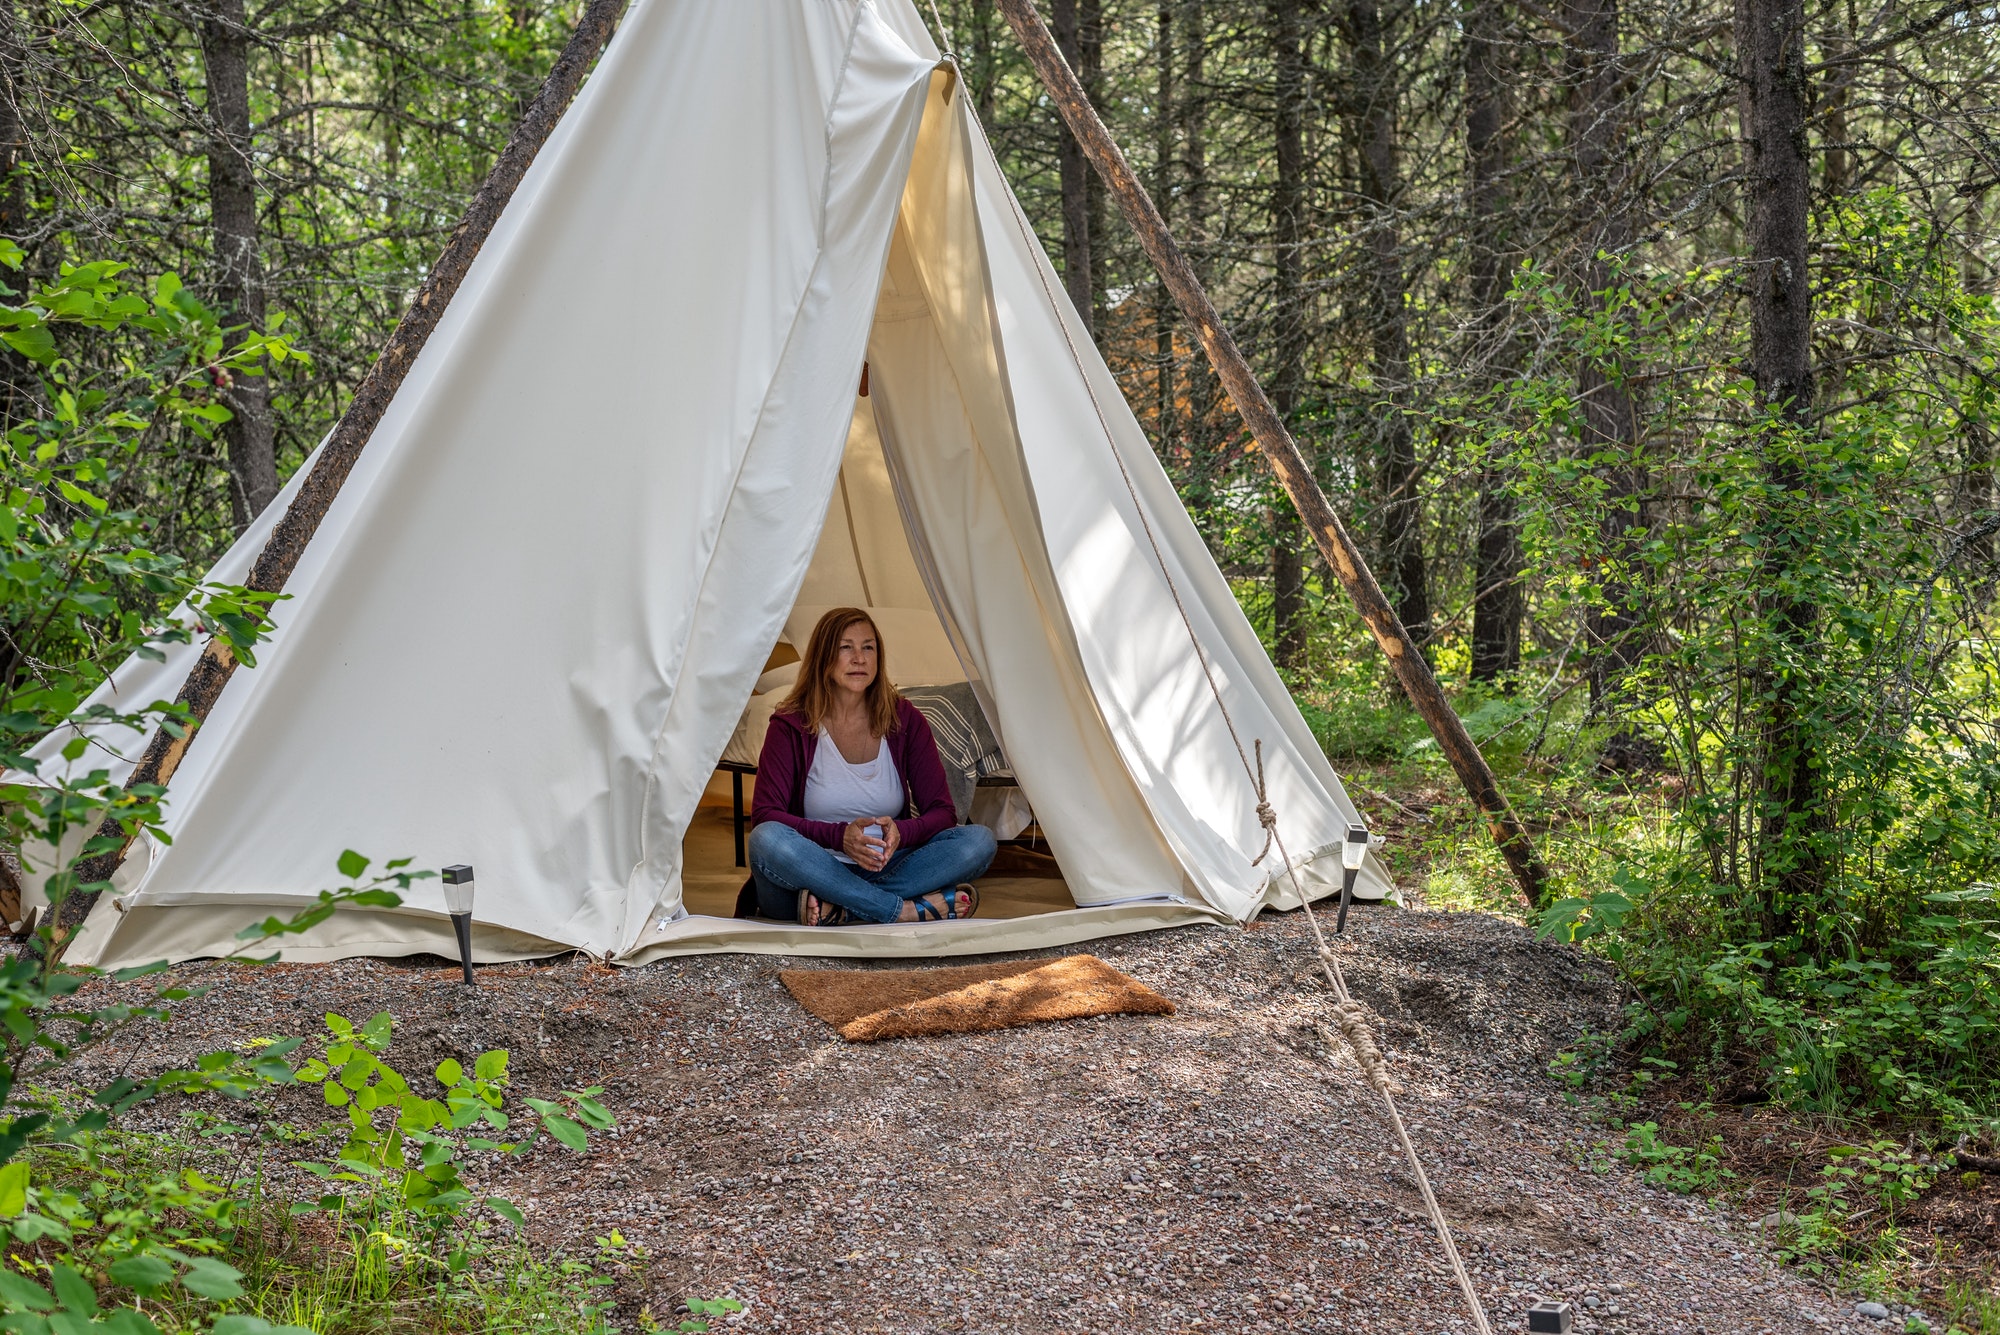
632, 452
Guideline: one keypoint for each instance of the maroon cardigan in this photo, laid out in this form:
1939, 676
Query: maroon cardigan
788, 756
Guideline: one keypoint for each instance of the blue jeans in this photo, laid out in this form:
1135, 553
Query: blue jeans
784, 862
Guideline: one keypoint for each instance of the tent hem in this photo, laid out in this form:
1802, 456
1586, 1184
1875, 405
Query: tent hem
698, 934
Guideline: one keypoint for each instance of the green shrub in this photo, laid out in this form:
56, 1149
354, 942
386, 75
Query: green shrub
1686, 1169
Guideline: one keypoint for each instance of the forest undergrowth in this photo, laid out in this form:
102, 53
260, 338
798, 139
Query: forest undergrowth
1825, 1102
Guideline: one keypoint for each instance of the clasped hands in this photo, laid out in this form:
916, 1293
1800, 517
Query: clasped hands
871, 853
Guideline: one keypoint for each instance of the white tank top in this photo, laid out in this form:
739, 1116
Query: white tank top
838, 791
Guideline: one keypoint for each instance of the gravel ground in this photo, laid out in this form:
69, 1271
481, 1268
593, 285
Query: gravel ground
1220, 1169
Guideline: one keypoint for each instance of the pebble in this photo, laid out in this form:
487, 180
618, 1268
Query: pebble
1873, 1311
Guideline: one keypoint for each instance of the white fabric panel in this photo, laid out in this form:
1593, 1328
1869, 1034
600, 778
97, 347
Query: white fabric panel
1148, 679
948, 434
534, 508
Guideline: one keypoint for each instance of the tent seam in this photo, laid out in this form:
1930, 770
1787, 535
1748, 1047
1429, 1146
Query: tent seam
826, 128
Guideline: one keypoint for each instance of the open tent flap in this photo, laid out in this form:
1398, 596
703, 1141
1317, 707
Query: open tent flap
527, 628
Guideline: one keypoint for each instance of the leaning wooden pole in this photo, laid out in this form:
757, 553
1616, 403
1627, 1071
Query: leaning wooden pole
1279, 449
288, 540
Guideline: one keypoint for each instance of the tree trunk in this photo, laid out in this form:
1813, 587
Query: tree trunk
1281, 452
239, 282
985, 74
1497, 602
1835, 97
13, 138
1371, 121
1610, 427
1074, 171
1090, 47
1166, 416
19, 384
1288, 314
1770, 36
1192, 114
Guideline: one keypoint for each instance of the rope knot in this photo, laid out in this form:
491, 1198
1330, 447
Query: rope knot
1265, 815
1352, 1018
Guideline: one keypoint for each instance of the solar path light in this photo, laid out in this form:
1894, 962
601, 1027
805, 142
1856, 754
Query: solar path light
458, 903
1352, 854
1555, 1318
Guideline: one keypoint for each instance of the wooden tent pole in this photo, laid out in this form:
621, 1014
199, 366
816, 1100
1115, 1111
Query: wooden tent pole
1420, 685
288, 540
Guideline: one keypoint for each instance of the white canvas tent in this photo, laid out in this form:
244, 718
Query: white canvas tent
527, 627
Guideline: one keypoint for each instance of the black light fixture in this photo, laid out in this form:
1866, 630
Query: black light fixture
458, 903
1352, 854
1557, 1318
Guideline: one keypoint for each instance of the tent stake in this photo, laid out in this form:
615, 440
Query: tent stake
1419, 684
302, 519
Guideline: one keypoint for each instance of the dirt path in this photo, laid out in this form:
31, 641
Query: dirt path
1217, 1170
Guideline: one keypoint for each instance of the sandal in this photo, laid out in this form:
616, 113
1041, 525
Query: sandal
826, 915
928, 912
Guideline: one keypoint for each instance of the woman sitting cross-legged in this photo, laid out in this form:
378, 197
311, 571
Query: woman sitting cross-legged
854, 818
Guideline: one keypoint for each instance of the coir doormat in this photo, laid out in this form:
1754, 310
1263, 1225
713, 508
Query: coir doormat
865, 1005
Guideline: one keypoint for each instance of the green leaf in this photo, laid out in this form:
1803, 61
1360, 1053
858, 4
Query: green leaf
13, 1188
352, 864
145, 1274
449, 1073
253, 1325
17, 1291
491, 1065
507, 1210
35, 343
130, 1321
35, 1227
375, 1033
212, 1279
73, 1290
568, 1132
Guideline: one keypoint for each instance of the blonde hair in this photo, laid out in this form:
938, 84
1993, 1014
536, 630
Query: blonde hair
812, 694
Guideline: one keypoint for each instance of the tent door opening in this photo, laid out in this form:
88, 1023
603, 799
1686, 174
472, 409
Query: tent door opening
865, 558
